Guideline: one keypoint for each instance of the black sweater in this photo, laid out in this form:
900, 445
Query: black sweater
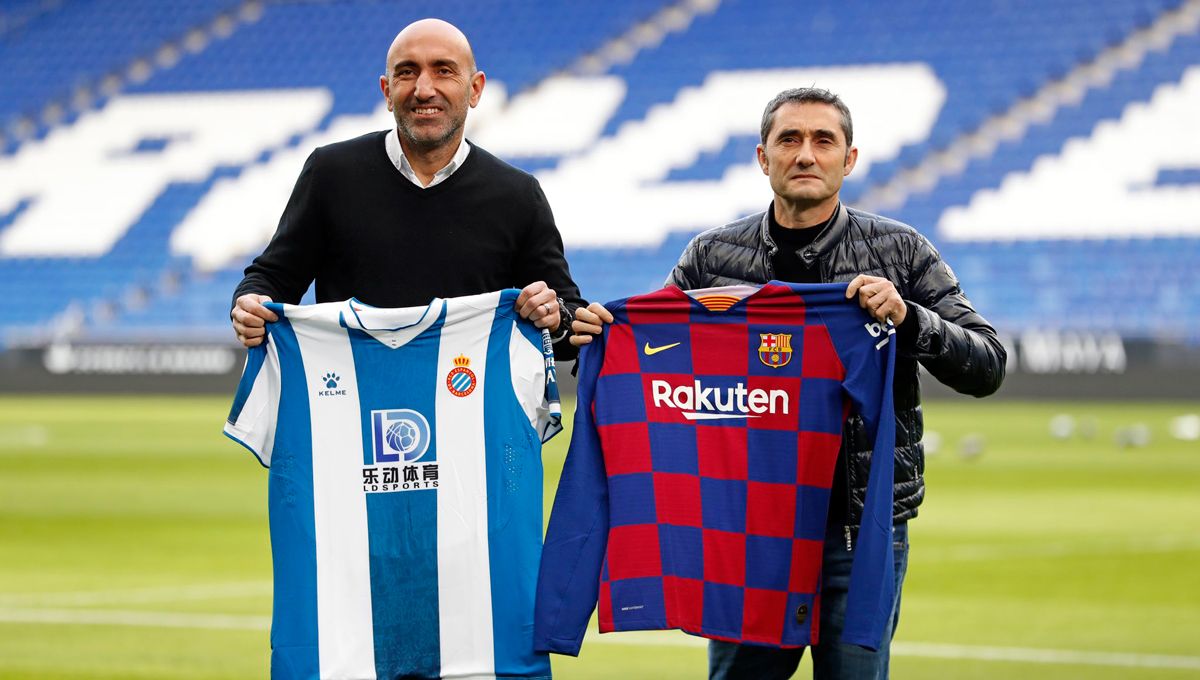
361, 229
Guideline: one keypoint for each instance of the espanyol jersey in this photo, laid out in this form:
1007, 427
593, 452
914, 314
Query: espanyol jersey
696, 489
405, 485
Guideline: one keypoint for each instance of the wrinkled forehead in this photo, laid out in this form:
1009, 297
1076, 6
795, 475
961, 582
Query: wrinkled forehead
808, 118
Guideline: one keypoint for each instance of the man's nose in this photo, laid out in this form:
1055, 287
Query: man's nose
805, 156
424, 86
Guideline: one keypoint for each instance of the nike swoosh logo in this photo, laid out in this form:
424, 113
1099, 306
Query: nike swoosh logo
651, 351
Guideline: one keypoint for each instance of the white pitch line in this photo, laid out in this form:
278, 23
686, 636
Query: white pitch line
1056, 656
943, 651
108, 617
639, 638
19, 438
971, 553
201, 591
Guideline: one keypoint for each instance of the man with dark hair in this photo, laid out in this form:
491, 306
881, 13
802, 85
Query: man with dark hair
398, 217
808, 95
808, 236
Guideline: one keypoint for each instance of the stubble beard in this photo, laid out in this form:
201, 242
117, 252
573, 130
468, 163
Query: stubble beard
424, 143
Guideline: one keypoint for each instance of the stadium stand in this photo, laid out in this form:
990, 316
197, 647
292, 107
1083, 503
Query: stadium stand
640, 118
54, 51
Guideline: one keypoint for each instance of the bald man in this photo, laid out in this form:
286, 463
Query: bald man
398, 217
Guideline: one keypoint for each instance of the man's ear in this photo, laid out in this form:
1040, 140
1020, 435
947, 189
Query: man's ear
477, 81
851, 159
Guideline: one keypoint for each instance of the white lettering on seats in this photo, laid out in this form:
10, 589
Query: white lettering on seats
1101, 186
89, 182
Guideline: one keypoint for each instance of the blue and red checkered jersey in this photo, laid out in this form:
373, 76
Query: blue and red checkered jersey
696, 489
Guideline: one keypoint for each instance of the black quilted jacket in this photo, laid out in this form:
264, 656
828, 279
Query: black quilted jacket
942, 331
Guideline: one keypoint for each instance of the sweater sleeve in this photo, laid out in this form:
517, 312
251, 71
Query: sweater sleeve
289, 263
541, 258
577, 537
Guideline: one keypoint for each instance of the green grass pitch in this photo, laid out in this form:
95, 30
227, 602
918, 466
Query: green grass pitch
133, 544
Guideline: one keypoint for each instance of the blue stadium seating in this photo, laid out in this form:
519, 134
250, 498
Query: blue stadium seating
279, 50
57, 47
282, 50
987, 54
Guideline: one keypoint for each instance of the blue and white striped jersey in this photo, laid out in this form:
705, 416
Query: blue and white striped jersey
405, 485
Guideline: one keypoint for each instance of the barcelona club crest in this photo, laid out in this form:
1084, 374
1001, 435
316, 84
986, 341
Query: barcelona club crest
461, 379
776, 349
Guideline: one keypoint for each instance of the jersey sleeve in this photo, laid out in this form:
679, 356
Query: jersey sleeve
868, 352
577, 537
252, 418
535, 382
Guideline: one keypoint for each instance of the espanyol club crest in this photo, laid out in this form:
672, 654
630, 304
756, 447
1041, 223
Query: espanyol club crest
461, 380
776, 349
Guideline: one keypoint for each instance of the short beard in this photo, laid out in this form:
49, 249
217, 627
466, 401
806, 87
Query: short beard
426, 145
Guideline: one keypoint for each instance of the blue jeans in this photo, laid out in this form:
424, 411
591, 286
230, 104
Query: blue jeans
831, 659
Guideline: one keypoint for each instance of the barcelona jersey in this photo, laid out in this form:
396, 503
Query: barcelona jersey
696, 489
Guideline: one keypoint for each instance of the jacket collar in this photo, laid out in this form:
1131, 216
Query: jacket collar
825, 241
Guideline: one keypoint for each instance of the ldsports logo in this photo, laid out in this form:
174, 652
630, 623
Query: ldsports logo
698, 402
402, 458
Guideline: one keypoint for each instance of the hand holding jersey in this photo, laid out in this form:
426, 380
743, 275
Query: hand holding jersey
879, 297
537, 302
589, 321
875, 294
250, 317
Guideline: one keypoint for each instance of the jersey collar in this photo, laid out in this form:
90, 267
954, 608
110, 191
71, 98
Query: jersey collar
393, 327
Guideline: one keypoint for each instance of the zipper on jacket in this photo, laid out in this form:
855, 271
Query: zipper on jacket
849, 543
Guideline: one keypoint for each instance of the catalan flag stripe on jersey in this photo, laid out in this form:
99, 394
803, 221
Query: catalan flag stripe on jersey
405, 485
696, 489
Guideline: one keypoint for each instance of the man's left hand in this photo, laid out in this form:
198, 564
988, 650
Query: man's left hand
539, 303
879, 297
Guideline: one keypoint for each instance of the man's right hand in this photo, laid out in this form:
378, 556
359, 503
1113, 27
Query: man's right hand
250, 319
589, 321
